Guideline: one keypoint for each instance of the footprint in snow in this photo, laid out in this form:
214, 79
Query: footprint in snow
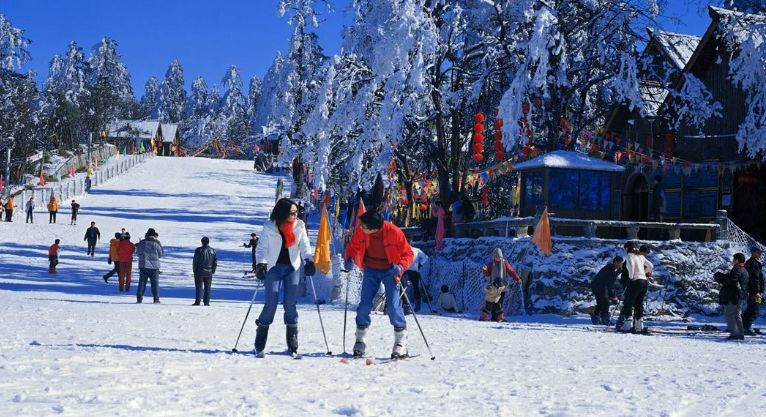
610, 388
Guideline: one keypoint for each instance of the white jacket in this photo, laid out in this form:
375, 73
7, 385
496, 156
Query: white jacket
638, 266
270, 243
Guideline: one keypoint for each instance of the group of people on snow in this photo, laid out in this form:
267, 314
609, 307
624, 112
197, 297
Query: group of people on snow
743, 283
9, 205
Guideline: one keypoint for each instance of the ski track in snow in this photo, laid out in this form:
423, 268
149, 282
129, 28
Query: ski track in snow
74, 346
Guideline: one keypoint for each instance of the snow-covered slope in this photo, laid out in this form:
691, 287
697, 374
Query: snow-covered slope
74, 346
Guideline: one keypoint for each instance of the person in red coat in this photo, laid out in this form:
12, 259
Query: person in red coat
53, 257
498, 268
381, 250
125, 251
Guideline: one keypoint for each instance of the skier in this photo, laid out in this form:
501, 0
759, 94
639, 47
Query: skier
253, 244
53, 257
149, 251
9, 206
411, 278
733, 290
446, 301
603, 289
285, 243
381, 250
114, 256
30, 207
492, 305
75, 209
53, 208
125, 251
92, 235
204, 263
633, 300
501, 268
755, 286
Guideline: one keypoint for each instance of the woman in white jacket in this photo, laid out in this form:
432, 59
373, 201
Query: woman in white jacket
283, 244
638, 268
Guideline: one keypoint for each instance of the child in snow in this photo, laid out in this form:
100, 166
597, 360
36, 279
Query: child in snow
492, 300
446, 301
53, 257
499, 268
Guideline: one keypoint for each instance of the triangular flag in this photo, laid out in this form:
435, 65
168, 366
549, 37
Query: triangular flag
359, 211
322, 251
542, 236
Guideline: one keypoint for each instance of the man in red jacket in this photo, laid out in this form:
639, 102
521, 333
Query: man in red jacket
381, 250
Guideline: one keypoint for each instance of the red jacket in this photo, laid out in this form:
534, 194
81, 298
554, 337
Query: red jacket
398, 250
126, 250
508, 270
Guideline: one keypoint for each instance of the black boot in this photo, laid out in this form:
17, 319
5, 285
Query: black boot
261, 334
292, 339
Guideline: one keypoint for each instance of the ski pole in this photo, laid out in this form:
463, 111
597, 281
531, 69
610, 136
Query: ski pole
255, 293
404, 294
321, 324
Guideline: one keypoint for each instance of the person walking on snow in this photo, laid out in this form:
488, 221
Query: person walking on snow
499, 268
638, 268
30, 207
53, 208
204, 263
9, 206
149, 251
114, 257
381, 250
755, 286
92, 235
253, 244
603, 289
53, 257
492, 305
283, 245
733, 291
75, 209
125, 251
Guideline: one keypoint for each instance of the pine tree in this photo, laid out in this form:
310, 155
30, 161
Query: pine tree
253, 97
172, 100
149, 107
234, 108
111, 94
67, 96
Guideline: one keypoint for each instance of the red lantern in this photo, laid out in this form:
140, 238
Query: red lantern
497, 146
499, 124
525, 107
499, 155
478, 148
477, 157
478, 138
478, 118
423, 207
498, 136
478, 128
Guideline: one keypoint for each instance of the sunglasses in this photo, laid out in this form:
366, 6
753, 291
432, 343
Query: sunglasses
293, 213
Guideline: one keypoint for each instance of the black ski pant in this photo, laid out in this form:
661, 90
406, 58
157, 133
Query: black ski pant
633, 300
53, 260
8, 215
751, 313
495, 309
602, 303
116, 270
74, 218
91, 247
253, 256
52, 217
30, 218
202, 285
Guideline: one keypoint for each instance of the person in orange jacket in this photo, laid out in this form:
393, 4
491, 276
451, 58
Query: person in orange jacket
114, 257
381, 250
53, 208
9, 206
53, 257
125, 255
498, 268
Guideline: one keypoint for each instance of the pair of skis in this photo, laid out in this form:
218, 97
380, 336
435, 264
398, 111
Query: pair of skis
369, 360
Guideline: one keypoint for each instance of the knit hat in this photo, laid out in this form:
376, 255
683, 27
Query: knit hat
151, 232
497, 252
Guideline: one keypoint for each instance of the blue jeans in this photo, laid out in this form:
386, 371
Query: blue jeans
145, 274
288, 277
370, 284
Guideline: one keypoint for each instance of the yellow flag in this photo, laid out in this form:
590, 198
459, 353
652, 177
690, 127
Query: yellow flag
322, 252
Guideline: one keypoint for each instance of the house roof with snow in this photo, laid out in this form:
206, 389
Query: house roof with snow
568, 160
143, 129
169, 131
678, 47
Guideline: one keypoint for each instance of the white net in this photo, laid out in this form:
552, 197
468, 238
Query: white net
739, 239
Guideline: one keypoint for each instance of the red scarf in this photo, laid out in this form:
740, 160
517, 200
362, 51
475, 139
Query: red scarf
286, 229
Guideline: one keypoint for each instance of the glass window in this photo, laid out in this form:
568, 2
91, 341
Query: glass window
673, 204
533, 189
563, 186
594, 190
700, 204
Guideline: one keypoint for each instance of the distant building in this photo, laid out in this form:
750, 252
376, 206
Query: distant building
131, 136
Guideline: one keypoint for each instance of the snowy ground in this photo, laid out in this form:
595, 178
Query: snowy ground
74, 346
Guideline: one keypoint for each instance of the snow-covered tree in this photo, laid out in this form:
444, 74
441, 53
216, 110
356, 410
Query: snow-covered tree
172, 100
745, 37
253, 97
13, 46
111, 94
67, 96
233, 113
149, 106
196, 129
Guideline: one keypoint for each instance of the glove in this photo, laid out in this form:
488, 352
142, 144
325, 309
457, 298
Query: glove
260, 271
308, 268
397, 270
348, 265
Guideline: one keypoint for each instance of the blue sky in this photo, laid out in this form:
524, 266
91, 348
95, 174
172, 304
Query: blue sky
206, 36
